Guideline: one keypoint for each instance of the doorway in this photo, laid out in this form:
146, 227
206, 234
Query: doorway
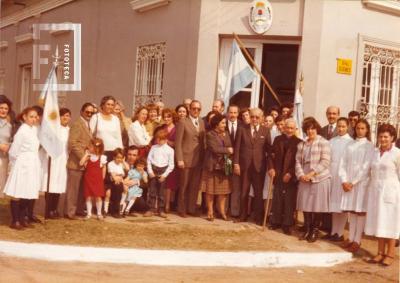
278, 62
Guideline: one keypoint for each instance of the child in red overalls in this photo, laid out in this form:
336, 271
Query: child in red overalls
93, 178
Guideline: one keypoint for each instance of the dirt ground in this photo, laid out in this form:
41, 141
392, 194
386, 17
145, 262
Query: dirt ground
32, 271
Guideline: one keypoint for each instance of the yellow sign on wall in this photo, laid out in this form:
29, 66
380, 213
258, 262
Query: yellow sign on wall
344, 66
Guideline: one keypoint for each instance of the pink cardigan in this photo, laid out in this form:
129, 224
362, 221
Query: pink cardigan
320, 159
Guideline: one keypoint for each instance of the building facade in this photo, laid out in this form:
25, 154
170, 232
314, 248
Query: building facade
348, 52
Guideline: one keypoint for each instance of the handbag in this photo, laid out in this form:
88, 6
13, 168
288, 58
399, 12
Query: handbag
228, 165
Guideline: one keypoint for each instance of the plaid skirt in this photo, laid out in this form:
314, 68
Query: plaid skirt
215, 183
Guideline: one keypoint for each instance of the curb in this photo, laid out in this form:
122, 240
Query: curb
172, 257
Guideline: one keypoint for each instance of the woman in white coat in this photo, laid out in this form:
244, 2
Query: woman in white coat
23, 183
354, 172
338, 146
58, 168
383, 208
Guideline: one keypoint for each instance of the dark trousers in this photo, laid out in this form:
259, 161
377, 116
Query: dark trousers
312, 220
235, 196
115, 198
189, 180
51, 203
251, 177
326, 222
74, 200
157, 189
284, 204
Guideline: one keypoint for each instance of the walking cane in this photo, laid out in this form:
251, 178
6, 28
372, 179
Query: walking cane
267, 206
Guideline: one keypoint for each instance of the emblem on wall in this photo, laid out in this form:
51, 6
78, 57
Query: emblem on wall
260, 18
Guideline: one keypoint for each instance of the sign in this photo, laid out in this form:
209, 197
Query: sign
260, 18
344, 66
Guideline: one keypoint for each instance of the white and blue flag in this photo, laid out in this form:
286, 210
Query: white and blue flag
298, 113
240, 74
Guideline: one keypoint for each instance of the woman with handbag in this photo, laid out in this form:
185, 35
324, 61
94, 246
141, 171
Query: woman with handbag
217, 166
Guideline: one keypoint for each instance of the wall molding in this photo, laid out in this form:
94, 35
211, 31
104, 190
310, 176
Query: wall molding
387, 6
145, 5
23, 38
3, 44
31, 11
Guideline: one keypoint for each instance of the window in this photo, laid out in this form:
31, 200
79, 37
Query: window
149, 76
380, 91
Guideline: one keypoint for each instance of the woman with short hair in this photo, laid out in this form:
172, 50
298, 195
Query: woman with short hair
383, 207
313, 159
138, 135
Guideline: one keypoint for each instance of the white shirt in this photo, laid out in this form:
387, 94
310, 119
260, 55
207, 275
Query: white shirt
138, 135
161, 156
115, 168
107, 130
194, 120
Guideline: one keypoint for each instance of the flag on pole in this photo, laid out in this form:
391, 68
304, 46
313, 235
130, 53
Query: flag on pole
49, 133
298, 112
240, 73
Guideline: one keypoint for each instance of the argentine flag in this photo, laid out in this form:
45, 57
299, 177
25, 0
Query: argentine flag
49, 132
298, 113
240, 74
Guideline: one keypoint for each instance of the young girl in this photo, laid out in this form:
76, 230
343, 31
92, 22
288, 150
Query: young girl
23, 183
354, 171
338, 146
136, 174
93, 178
116, 169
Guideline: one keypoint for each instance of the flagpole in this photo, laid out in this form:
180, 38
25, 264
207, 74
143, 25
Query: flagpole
265, 81
53, 69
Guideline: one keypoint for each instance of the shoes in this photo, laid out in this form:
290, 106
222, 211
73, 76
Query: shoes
354, 247
313, 236
224, 217
327, 237
305, 235
34, 219
163, 214
148, 213
346, 244
274, 226
16, 226
100, 217
376, 259
337, 238
87, 217
71, 217
210, 218
286, 230
26, 225
388, 260
182, 214
116, 215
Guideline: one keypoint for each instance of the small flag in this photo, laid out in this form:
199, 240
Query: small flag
298, 113
49, 133
240, 74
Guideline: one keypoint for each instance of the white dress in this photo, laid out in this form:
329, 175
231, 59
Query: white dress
24, 178
338, 146
107, 130
383, 208
354, 168
58, 171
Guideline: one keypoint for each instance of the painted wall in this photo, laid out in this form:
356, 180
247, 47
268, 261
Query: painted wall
341, 23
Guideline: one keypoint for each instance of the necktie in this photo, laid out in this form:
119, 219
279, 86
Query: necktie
232, 132
330, 131
254, 131
196, 124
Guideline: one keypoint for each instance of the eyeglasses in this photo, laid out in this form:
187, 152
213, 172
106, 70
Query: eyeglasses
89, 113
195, 108
255, 117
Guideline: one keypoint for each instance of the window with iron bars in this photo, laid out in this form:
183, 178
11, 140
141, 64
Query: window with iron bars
380, 92
149, 75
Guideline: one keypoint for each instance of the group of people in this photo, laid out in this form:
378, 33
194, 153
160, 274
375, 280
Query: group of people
226, 164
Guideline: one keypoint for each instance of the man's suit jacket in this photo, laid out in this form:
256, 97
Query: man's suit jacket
249, 150
283, 162
324, 132
239, 125
398, 143
189, 143
78, 141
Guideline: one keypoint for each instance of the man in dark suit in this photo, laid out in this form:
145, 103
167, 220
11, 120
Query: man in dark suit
233, 126
189, 151
253, 141
281, 165
353, 117
398, 143
328, 132
332, 114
